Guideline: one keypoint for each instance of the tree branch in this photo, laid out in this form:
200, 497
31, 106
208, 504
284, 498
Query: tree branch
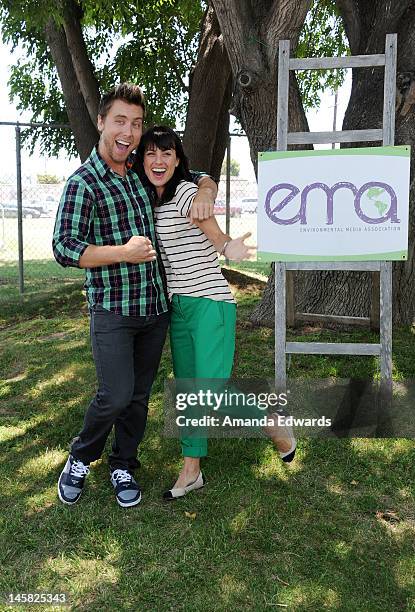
286, 16
388, 13
207, 119
239, 34
349, 11
84, 131
285, 20
176, 69
83, 66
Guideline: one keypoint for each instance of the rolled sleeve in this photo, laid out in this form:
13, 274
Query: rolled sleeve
184, 196
72, 225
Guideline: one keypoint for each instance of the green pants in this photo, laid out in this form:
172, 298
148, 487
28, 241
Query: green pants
202, 334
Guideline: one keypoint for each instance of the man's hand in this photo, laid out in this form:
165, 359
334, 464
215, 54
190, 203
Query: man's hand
237, 250
139, 250
204, 201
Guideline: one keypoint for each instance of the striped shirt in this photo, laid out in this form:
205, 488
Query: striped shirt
100, 207
190, 259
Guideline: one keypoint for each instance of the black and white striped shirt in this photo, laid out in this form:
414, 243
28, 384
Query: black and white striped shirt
189, 258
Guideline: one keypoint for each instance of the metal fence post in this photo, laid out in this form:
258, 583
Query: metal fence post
19, 208
228, 190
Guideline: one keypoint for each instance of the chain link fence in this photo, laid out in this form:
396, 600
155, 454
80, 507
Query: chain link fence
28, 205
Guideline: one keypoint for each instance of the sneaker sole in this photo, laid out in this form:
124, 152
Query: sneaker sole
64, 501
128, 504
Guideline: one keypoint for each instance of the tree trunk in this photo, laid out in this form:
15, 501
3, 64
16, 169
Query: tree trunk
252, 31
84, 131
366, 24
207, 123
83, 66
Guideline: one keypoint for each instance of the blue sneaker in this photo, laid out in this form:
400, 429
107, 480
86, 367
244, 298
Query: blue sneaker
127, 491
71, 481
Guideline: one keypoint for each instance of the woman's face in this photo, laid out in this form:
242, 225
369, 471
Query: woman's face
159, 166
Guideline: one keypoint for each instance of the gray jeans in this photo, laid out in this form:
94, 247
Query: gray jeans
127, 353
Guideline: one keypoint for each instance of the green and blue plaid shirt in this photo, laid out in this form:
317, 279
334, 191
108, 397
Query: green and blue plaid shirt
101, 207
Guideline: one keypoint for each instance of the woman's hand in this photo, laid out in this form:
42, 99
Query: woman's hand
237, 250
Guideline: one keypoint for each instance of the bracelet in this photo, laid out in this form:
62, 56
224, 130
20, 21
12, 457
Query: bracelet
222, 252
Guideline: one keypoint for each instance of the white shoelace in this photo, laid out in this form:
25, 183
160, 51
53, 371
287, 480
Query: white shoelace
79, 469
122, 476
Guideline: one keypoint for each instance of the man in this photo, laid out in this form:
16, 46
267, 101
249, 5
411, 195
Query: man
105, 225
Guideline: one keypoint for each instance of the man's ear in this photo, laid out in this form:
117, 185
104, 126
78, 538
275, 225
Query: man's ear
100, 123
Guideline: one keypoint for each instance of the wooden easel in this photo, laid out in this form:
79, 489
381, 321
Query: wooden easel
284, 287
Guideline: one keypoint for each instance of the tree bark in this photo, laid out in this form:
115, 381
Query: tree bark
207, 122
84, 69
84, 131
366, 24
252, 31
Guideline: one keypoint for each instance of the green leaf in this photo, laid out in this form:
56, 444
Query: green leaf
322, 36
149, 42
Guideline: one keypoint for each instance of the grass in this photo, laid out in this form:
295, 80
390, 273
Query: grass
332, 531
45, 283
257, 267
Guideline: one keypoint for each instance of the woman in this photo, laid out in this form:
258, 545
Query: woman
202, 328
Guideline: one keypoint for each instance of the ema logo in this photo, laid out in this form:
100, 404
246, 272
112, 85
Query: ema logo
373, 191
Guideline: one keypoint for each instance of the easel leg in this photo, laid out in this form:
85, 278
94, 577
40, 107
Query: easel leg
280, 330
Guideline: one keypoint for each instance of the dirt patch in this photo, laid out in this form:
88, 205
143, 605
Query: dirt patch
243, 281
55, 336
15, 373
6, 411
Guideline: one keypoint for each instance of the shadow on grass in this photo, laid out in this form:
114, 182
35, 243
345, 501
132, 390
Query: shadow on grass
303, 536
334, 530
47, 288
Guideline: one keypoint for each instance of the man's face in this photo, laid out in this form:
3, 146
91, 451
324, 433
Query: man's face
121, 130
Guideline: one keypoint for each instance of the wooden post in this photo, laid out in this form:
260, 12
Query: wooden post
282, 131
283, 88
389, 102
280, 329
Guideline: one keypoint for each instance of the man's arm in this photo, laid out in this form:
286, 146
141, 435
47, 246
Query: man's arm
72, 223
204, 201
137, 250
70, 238
223, 243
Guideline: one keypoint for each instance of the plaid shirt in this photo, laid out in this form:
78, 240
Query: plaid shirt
101, 207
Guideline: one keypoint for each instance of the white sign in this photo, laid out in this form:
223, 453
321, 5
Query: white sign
337, 204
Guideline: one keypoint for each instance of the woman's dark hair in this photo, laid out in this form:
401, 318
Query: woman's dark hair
164, 138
